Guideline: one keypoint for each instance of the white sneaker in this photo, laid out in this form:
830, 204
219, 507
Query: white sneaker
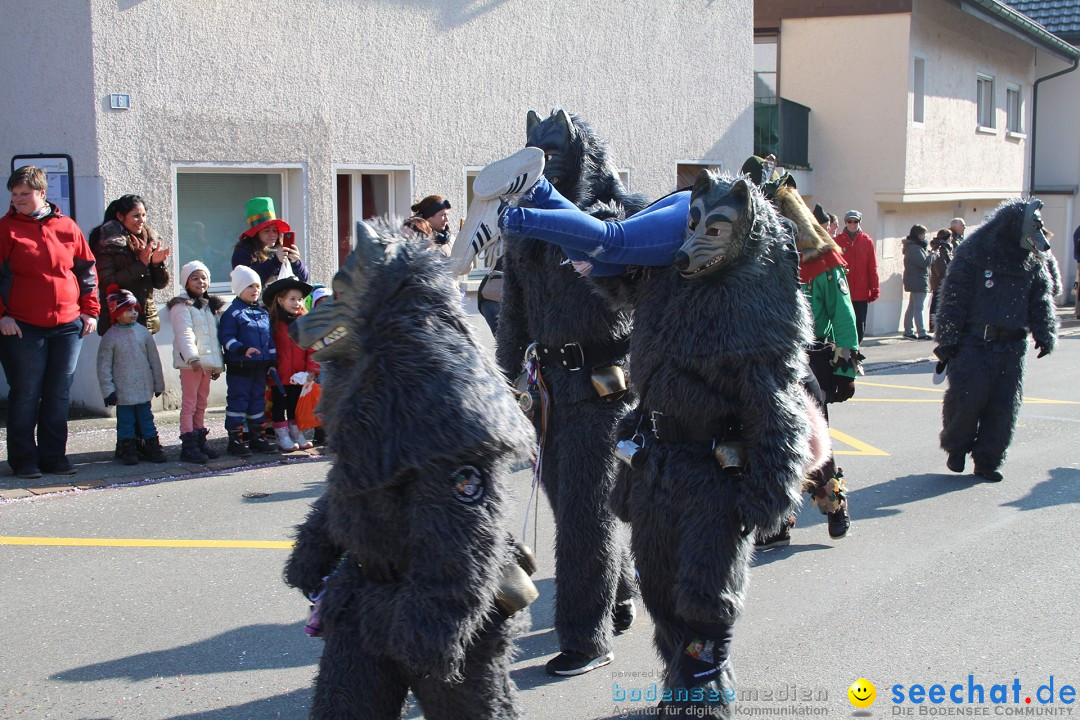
480, 231
513, 175
298, 437
284, 440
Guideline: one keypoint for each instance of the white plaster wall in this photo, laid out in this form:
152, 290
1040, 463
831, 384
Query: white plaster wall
946, 153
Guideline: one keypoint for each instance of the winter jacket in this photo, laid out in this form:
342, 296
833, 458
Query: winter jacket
291, 358
268, 269
195, 332
860, 254
128, 364
47, 274
118, 264
941, 254
246, 326
917, 261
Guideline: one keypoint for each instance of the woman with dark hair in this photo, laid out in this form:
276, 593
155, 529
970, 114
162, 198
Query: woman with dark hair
916, 282
130, 255
431, 219
261, 248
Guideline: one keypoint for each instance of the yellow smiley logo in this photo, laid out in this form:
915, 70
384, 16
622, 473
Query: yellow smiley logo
862, 693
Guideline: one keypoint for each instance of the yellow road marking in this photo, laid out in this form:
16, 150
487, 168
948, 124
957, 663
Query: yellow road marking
142, 542
867, 383
861, 448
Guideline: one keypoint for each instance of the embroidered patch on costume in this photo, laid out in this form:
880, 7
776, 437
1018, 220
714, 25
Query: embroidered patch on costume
468, 484
841, 284
701, 650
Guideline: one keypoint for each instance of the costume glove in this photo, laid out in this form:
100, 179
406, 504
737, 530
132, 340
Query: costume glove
845, 388
111, 400
1043, 350
945, 352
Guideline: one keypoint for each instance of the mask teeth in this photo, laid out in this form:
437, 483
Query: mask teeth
330, 338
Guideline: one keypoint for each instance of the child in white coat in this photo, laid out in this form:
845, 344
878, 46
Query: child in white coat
197, 354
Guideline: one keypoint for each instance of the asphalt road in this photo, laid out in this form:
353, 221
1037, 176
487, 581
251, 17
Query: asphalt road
942, 577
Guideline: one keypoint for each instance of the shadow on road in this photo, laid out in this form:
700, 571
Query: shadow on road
764, 557
310, 491
289, 705
1062, 487
881, 499
255, 647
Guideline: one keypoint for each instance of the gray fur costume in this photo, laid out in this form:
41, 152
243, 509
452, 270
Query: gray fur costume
412, 527
996, 292
545, 301
719, 354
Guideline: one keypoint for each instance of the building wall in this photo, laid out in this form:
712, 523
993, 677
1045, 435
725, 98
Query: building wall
849, 71
430, 89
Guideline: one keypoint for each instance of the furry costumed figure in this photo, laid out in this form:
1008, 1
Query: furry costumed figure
999, 288
408, 546
717, 355
546, 303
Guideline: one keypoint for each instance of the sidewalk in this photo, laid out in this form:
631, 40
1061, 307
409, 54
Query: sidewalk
91, 440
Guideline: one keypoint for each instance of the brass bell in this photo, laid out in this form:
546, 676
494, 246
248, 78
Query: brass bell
609, 382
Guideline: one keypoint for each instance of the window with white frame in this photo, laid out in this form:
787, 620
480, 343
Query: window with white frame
210, 213
985, 100
918, 90
1014, 106
686, 173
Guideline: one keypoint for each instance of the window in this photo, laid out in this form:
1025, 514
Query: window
918, 90
765, 69
686, 173
1014, 105
210, 214
363, 193
985, 101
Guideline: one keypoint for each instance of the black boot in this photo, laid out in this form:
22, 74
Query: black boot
204, 446
154, 452
189, 449
258, 443
238, 444
129, 455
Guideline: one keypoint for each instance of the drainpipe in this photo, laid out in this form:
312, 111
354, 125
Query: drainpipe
1035, 115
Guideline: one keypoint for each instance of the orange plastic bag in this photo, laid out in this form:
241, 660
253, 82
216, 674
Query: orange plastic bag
306, 406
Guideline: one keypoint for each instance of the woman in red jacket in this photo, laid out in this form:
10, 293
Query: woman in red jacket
48, 303
285, 300
860, 254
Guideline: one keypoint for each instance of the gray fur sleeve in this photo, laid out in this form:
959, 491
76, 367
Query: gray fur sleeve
315, 553
512, 337
448, 591
1041, 318
954, 308
776, 436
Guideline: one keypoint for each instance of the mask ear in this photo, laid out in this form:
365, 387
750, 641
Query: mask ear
1031, 232
531, 121
564, 122
370, 248
702, 183
741, 190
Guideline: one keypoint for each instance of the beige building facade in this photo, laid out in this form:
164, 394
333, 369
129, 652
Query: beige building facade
345, 109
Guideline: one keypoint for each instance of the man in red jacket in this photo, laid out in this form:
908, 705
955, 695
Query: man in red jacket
48, 302
860, 254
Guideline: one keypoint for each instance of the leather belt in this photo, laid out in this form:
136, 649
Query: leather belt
575, 356
996, 332
666, 428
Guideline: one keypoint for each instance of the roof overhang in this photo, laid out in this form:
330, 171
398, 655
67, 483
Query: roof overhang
1021, 26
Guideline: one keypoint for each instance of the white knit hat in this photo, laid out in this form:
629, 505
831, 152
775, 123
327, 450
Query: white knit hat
241, 277
185, 272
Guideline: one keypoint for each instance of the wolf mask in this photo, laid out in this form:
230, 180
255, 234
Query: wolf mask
720, 226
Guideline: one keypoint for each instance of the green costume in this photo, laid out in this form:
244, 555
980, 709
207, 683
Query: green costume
834, 316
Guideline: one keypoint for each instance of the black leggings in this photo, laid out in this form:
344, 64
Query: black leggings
286, 403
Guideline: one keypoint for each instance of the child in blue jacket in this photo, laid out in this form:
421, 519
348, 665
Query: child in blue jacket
249, 352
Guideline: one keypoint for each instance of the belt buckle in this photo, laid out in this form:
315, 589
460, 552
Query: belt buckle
654, 417
578, 357
987, 332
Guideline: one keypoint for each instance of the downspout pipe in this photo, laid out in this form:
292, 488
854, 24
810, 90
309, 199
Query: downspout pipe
1035, 114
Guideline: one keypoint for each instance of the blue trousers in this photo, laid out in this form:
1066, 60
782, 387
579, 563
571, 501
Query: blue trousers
245, 401
39, 368
131, 419
651, 237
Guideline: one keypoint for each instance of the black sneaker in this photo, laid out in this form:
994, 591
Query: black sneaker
569, 663
60, 468
623, 615
989, 475
839, 523
955, 462
27, 472
779, 539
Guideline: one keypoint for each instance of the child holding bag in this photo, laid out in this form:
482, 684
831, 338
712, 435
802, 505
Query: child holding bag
285, 300
197, 355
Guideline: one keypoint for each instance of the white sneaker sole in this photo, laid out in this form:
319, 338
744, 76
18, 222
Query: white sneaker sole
513, 174
596, 663
481, 230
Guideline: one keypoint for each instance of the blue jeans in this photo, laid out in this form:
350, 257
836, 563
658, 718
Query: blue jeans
128, 415
651, 237
39, 367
